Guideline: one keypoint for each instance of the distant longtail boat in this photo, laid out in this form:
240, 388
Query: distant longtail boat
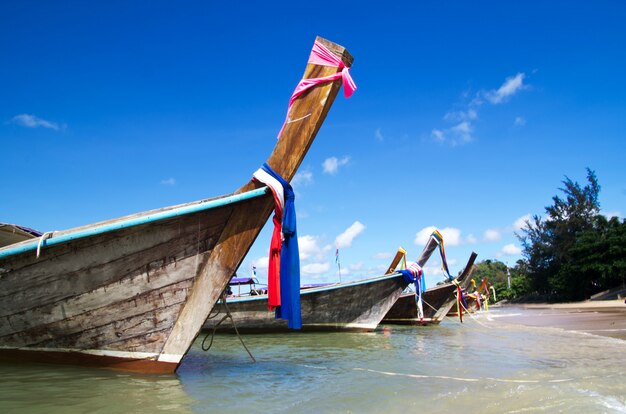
349, 306
132, 293
438, 301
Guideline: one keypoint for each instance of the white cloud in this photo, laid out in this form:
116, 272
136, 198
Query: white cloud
315, 268
379, 269
451, 236
610, 214
509, 88
456, 135
32, 121
519, 121
382, 256
331, 165
463, 131
471, 239
422, 236
379, 135
438, 135
355, 266
520, 223
309, 247
345, 239
169, 181
511, 250
456, 116
435, 268
492, 235
261, 263
302, 178
431, 270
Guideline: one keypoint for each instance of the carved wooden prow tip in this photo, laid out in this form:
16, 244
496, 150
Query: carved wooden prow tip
339, 50
469, 267
305, 116
396, 261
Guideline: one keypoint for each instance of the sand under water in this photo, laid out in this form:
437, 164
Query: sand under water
505, 360
605, 318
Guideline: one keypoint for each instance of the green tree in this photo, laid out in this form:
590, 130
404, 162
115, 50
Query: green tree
538, 251
574, 252
521, 283
597, 259
495, 270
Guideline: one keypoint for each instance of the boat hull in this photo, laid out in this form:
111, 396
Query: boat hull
355, 306
96, 358
437, 302
113, 298
132, 293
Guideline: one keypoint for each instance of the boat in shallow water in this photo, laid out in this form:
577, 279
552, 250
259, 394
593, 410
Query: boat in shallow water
438, 301
133, 293
477, 299
350, 306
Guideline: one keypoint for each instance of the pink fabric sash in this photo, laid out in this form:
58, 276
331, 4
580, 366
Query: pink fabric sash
320, 55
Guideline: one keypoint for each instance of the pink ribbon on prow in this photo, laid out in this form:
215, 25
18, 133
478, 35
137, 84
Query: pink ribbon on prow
320, 55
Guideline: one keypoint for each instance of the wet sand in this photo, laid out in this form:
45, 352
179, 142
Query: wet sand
605, 318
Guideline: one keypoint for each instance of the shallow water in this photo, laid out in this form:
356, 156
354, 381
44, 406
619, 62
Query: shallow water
481, 366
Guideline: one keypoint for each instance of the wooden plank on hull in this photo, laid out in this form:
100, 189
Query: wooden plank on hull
358, 305
171, 240
128, 289
154, 300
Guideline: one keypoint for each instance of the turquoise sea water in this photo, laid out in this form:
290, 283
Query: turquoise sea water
482, 366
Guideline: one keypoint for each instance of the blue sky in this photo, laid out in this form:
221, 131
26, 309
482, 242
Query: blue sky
467, 117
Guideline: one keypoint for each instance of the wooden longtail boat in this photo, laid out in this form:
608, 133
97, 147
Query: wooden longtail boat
132, 293
348, 306
355, 306
12, 233
475, 300
438, 301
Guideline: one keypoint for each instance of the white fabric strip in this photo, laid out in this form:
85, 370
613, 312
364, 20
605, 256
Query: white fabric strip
273, 183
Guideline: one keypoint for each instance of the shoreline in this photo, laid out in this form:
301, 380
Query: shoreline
604, 318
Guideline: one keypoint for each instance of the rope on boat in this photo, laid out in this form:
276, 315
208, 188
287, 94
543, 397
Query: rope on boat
227, 316
474, 318
430, 306
43, 238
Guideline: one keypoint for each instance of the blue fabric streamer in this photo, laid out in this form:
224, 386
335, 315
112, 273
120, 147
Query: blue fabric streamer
420, 285
289, 308
408, 276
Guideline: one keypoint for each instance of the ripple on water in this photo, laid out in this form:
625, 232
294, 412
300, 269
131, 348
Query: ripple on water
482, 363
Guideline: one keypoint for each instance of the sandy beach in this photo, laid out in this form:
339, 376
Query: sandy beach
605, 318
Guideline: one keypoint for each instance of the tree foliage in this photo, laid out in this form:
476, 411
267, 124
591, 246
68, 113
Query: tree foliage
574, 251
494, 270
498, 275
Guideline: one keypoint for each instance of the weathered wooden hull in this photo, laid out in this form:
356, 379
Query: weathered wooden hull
472, 306
114, 297
133, 293
353, 306
437, 302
